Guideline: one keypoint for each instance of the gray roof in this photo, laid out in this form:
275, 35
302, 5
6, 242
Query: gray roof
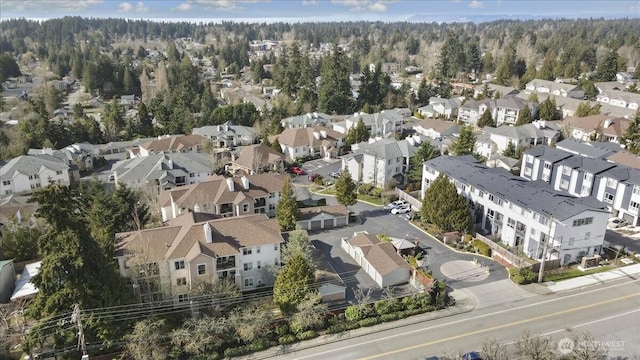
623, 173
475, 105
548, 153
552, 85
309, 119
224, 129
29, 165
387, 149
512, 102
536, 196
591, 149
125, 144
593, 166
524, 131
162, 167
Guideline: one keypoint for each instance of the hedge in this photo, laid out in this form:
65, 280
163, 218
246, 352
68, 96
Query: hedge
287, 339
307, 335
483, 248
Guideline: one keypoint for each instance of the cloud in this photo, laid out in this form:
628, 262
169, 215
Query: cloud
309, 2
185, 6
378, 6
475, 4
48, 4
226, 4
361, 5
128, 7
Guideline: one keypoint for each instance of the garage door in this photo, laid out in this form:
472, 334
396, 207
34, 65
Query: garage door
341, 221
316, 224
328, 223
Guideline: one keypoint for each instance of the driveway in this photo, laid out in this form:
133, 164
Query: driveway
458, 270
618, 240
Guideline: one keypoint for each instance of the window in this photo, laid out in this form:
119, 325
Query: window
585, 189
181, 281
6, 182
275, 247
202, 269
257, 249
611, 183
183, 298
259, 264
179, 264
566, 170
272, 195
245, 207
246, 251
248, 282
58, 172
34, 176
564, 184
547, 165
192, 175
248, 266
35, 186
543, 220
608, 198
511, 223
633, 206
527, 171
533, 232
581, 222
588, 177
275, 262
490, 197
490, 213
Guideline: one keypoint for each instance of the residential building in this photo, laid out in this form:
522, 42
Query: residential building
127, 101
162, 171
471, 111
26, 173
323, 217
306, 120
386, 123
380, 260
381, 162
496, 140
508, 109
80, 155
235, 196
174, 258
388, 68
256, 159
314, 142
625, 158
550, 87
493, 90
436, 129
227, 135
441, 108
16, 209
25, 289
592, 149
524, 214
598, 127
623, 99
616, 186
170, 144
624, 77
7, 280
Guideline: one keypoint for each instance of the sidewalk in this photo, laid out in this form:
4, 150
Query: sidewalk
627, 271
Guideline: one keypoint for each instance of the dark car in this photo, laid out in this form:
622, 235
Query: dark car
472, 355
334, 174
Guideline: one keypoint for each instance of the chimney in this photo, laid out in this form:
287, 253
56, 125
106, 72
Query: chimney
230, 184
411, 141
315, 115
608, 123
316, 135
196, 208
417, 139
323, 134
355, 114
245, 182
537, 124
208, 236
170, 164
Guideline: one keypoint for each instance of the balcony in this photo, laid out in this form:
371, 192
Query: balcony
226, 263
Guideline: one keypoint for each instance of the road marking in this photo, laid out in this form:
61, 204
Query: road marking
498, 327
581, 294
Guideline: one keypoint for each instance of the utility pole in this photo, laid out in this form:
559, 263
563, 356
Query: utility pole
545, 248
81, 343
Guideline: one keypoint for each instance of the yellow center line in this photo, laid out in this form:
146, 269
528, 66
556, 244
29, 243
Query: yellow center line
498, 327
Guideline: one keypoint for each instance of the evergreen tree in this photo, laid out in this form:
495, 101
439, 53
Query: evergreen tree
444, 207
425, 152
486, 119
548, 109
585, 109
293, 283
488, 62
287, 208
524, 117
346, 189
608, 68
20, 241
298, 244
334, 90
510, 150
504, 72
548, 64
425, 92
465, 143
631, 137
146, 122
276, 146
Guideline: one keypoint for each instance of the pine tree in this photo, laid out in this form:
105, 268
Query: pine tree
444, 207
287, 208
465, 143
524, 117
486, 119
548, 109
334, 90
425, 152
631, 137
346, 189
510, 150
276, 146
293, 283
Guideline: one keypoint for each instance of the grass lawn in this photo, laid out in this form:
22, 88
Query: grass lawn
332, 191
572, 273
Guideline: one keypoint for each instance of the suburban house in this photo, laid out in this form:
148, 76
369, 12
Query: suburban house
235, 196
496, 140
255, 159
25, 289
625, 158
26, 173
598, 127
388, 68
162, 171
323, 217
79, 154
624, 77
381, 162
436, 129
508, 109
551, 87
312, 142
564, 105
623, 99
493, 89
524, 214
116, 147
170, 144
441, 108
16, 209
378, 259
591, 149
127, 101
167, 262
227, 135
306, 120
615, 186
471, 111
386, 123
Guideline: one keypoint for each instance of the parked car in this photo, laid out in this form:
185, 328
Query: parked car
313, 177
617, 223
401, 209
297, 170
472, 355
334, 174
396, 204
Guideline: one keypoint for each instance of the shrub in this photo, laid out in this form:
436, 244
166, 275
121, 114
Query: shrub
352, 313
417, 301
318, 181
282, 329
369, 321
321, 202
236, 351
287, 339
340, 327
390, 317
365, 189
309, 334
522, 276
387, 306
482, 248
377, 192
258, 345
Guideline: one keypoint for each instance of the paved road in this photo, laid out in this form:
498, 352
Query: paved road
617, 240
611, 313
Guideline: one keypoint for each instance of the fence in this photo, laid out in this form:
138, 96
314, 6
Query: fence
416, 204
503, 255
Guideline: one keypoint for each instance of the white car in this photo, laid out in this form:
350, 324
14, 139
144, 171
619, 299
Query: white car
401, 209
396, 204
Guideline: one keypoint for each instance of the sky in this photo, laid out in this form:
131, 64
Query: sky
318, 10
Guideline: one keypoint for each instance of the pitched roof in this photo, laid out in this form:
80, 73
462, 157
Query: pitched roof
552, 85
224, 129
587, 123
310, 119
587, 149
174, 143
217, 191
162, 167
381, 255
310, 212
625, 158
29, 165
11, 205
252, 153
512, 102
187, 240
386, 148
296, 137
437, 125
548, 153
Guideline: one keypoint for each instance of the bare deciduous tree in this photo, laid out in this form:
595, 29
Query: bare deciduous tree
145, 341
494, 349
249, 322
362, 296
201, 337
309, 314
534, 347
586, 348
